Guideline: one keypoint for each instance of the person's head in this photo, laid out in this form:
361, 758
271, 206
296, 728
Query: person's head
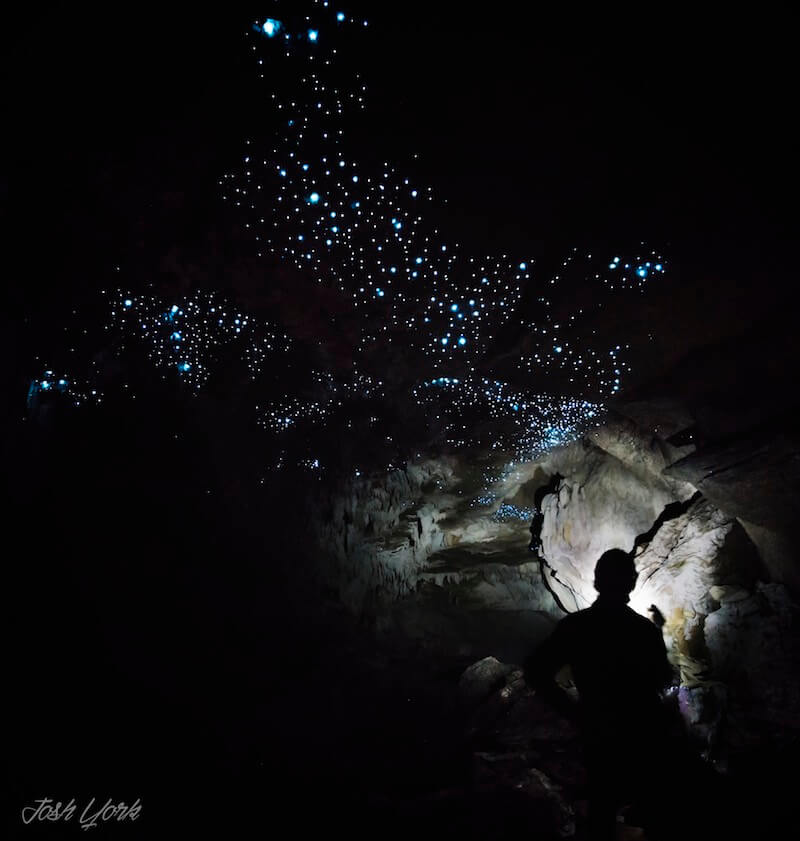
615, 574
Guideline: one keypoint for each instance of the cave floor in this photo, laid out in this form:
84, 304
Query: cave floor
334, 733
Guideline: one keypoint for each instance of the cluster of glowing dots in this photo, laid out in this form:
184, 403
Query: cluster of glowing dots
526, 424
362, 232
565, 346
185, 336
332, 395
51, 388
512, 513
273, 28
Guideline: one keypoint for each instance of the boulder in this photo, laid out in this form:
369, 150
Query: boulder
482, 679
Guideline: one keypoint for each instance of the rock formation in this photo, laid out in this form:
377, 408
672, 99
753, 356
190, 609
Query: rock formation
438, 551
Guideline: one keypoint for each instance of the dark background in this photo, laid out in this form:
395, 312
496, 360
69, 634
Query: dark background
148, 597
544, 130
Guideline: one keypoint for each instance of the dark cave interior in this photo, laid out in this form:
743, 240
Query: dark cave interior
324, 627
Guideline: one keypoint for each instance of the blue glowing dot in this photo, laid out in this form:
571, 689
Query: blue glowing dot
174, 309
128, 302
642, 272
45, 385
462, 341
444, 340
340, 17
515, 406
313, 34
305, 167
523, 266
612, 265
314, 198
658, 267
184, 366
454, 307
419, 260
176, 336
380, 292
393, 270
291, 122
557, 348
335, 229
283, 173
355, 178
616, 259
62, 382
333, 214
413, 194
271, 27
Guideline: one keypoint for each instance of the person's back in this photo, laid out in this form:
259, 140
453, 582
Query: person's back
618, 661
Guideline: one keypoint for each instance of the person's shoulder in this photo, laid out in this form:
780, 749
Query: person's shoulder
642, 622
575, 620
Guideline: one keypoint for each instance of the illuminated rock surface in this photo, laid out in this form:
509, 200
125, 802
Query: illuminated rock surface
424, 555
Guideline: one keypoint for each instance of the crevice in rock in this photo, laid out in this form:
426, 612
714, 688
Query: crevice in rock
543, 567
670, 512
684, 437
552, 487
538, 517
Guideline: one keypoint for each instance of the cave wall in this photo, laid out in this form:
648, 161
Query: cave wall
731, 624
413, 551
613, 490
376, 532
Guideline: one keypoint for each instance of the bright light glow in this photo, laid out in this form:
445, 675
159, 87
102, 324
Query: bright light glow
271, 27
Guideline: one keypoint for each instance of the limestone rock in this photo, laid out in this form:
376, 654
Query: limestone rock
728, 593
481, 679
678, 569
603, 502
754, 646
778, 553
755, 477
438, 557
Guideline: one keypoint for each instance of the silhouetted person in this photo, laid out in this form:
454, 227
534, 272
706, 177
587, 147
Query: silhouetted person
619, 666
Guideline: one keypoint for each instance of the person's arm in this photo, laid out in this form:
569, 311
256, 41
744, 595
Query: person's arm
663, 673
541, 667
